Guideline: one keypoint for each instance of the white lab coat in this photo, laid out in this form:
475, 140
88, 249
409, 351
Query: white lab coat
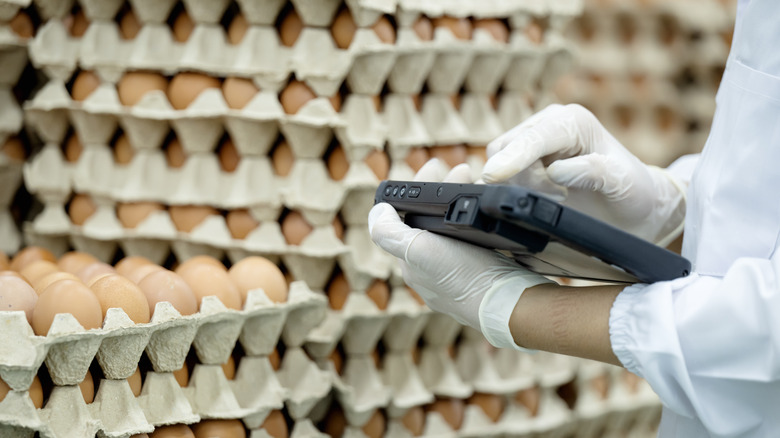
709, 344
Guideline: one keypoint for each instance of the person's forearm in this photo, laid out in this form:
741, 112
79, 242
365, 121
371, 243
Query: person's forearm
566, 320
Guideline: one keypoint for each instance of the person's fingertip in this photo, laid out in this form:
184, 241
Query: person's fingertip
376, 212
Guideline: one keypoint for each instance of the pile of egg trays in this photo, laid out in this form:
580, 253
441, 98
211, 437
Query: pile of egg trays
649, 70
13, 59
480, 66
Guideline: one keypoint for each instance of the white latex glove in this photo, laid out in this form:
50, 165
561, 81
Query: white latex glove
592, 170
476, 286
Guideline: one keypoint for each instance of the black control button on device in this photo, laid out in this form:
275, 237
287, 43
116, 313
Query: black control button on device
388, 190
402, 192
395, 191
414, 191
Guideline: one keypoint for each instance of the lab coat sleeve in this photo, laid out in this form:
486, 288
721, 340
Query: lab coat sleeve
709, 346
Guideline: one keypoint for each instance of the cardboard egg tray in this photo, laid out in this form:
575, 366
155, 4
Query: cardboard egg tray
68, 350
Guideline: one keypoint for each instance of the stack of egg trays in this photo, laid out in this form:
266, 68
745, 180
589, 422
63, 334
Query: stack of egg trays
482, 63
678, 49
68, 350
13, 58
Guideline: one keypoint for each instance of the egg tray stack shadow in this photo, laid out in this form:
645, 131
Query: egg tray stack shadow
15, 32
128, 167
650, 70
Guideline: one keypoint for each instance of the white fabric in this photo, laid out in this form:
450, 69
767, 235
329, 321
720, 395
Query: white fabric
709, 344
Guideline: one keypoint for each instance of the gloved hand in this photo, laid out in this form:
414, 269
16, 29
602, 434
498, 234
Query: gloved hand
476, 286
592, 170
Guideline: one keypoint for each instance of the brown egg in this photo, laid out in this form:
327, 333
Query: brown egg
29, 255
229, 368
228, 156
416, 158
4, 262
282, 159
529, 398
182, 27
337, 360
185, 87
491, 404
290, 28
207, 280
451, 155
182, 376
86, 82
237, 29
139, 273
17, 294
14, 149
129, 26
415, 295
131, 214
535, 31
338, 165
338, 228
134, 85
164, 285
497, 28
414, 420
140, 435
238, 91
114, 290
461, 28
175, 431
22, 25
73, 149
87, 387
66, 296
423, 28
135, 382
219, 429
37, 270
379, 163
175, 155
384, 30
91, 272
375, 427
275, 425
455, 99
195, 262
240, 223
338, 291
295, 96
129, 264
451, 409
259, 273
123, 151
477, 151
295, 228
80, 209
417, 101
44, 282
335, 422
275, 360
36, 392
335, 101
379, 292
79, 24
187, 217
343, 29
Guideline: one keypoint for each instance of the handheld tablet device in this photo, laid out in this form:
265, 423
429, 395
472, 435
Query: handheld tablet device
538, 232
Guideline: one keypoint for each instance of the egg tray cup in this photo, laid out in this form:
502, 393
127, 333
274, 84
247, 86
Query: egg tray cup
513, 107
11, 116
364, 262
413, 63
360, 389
314, 259
406, 127
301, 429
481, 119
402, 378
309, 189
9, 8
364, 129
553, 417
442, 120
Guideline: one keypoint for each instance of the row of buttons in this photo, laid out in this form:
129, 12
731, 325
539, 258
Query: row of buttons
401, 191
